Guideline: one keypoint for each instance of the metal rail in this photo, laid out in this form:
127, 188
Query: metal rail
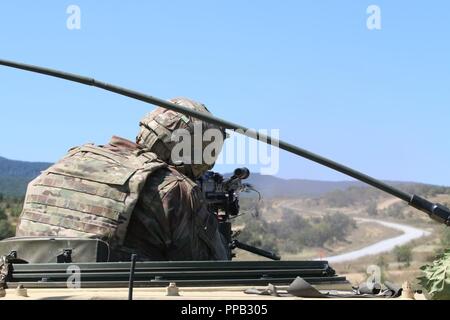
186, 283
178, 266
185, 273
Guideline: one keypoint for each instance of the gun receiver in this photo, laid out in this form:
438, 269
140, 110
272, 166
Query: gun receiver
223, 200
221, 193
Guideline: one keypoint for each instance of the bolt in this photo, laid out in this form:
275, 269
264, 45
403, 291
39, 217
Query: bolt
172, 290
21, 291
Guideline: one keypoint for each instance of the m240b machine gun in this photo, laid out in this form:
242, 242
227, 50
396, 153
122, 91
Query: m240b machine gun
222, 197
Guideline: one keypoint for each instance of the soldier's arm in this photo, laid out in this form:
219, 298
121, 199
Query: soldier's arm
208, 228
171, 217
194, 230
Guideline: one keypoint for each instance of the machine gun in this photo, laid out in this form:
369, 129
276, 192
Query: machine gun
222, 197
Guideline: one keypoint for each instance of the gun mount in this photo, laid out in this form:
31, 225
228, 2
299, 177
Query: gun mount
222, 197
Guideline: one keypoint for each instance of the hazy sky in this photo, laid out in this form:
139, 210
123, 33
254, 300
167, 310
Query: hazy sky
375, 100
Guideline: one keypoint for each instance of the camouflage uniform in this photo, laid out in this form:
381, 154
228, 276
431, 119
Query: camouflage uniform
179, 226
124, 194
170, 220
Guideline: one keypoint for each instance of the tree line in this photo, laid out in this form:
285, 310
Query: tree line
10, 209
292, 233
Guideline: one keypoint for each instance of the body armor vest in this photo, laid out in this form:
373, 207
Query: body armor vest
89, 193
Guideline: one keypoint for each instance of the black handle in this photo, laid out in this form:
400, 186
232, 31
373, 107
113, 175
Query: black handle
258, 251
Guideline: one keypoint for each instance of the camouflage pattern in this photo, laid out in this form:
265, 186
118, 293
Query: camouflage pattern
179, 227
156, 130
123, 195
91, 192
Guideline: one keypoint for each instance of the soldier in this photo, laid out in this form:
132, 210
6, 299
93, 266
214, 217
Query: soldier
134, 196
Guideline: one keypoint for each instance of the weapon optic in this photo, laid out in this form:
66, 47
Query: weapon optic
436, 211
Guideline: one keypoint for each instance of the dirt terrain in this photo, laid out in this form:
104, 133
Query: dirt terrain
390, 212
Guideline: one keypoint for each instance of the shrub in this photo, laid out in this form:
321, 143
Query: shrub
403, 254
6, 230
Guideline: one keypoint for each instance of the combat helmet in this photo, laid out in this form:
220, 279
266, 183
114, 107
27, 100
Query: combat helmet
157, 131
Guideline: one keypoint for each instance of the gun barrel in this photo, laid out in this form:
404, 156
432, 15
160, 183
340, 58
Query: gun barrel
411, 199
258, 251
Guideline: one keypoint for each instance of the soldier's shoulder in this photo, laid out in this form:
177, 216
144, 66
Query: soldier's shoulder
167, 178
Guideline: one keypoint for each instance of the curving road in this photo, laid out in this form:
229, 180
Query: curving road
409, 234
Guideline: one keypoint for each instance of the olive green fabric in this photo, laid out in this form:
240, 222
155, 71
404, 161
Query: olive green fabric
47, 249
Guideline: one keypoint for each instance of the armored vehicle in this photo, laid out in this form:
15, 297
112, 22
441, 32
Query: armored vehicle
81, 268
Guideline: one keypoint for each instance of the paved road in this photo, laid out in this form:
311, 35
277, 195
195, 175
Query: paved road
409, 234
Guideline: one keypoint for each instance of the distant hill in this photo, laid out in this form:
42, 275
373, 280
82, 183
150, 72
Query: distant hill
15, 168
274, 187
15, 175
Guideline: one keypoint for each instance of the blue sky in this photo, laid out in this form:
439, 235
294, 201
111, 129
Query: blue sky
375, 100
